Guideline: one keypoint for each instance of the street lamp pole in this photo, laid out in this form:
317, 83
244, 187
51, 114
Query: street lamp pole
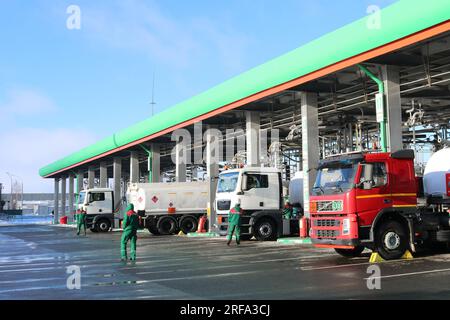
21, 183
10, 193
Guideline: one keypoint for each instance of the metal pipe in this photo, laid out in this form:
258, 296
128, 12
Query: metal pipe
381, 92
149, 162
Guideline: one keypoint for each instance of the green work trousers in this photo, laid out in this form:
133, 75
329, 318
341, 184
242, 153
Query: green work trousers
236, 229
81, 222
128, 235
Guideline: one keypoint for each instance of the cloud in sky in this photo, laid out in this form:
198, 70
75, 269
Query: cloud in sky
25, 149
25, 102
145, 28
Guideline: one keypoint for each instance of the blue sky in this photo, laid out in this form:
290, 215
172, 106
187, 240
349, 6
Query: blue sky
62, 89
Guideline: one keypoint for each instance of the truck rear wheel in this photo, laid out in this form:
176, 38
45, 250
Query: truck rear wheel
265, 230
167, 225
391, 241
188, 224
103, 225
153, 230
350, 253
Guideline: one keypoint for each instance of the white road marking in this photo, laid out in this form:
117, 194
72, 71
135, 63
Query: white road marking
231, 274
361, 264
409, 274
289, 259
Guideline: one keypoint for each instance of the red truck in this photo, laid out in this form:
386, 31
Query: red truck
375, 201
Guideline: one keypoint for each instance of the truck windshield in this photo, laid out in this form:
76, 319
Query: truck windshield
81, 197
227, 182
335, 177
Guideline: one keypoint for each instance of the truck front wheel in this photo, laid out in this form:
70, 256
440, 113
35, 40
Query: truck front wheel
350, 253
103, 225
265, 230
391, 240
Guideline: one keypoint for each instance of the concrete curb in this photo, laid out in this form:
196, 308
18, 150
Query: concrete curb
294, 241
73, 226
203, 235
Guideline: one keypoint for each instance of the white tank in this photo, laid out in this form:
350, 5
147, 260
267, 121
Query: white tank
434, 181
156, 198
296, 189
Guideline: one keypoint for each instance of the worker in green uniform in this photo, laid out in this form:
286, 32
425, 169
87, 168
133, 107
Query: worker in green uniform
130, 227
288, 211
234, 223
81, 221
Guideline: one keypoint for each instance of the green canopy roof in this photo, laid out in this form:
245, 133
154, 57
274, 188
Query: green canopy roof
399, 20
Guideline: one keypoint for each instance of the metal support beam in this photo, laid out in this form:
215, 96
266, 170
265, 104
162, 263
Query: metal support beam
391, 79
253, 138
91, 177
134, 167
103, 175
180, 161
63, 196
71, 195
117, 176
80, 182
212, 165
310, 144
156, 162
56, 202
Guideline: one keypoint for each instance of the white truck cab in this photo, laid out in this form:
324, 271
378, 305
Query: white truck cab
260, 192
256, 188
98, 204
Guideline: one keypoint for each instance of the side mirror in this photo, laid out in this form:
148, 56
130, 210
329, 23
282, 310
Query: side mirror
366, 177
244, 183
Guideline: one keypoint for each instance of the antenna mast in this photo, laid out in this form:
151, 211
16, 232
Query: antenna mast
153, 103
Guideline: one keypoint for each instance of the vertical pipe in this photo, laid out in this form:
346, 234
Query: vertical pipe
381, 92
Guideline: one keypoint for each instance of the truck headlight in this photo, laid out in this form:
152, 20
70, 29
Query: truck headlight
346, 227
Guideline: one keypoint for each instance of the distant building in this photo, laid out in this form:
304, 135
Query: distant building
35, 203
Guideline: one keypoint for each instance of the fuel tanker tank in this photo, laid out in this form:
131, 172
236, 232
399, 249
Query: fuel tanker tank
436, 178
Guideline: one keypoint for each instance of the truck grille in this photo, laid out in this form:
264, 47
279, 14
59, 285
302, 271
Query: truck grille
329, 206
327, 233
223, 204
327, 223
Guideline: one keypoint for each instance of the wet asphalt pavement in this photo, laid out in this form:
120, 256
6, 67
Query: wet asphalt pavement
34, 262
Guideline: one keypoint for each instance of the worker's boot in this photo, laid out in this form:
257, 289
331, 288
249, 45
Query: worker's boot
228, 242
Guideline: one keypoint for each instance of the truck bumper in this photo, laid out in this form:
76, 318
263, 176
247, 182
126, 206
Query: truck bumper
336, 243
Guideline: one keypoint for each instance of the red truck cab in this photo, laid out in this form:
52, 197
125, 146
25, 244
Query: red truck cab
364, 200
